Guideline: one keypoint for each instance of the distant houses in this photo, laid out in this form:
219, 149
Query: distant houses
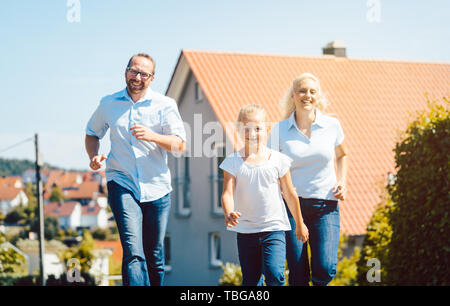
11, 194
84, 203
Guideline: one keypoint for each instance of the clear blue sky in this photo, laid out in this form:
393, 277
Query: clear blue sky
54, 72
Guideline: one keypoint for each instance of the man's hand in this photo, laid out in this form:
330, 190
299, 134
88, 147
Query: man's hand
142, 133
96, 161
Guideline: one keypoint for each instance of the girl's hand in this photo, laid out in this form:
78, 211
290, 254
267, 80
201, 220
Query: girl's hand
231, 218
340, 191
302, 233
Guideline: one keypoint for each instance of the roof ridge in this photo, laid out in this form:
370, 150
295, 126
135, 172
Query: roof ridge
326, 56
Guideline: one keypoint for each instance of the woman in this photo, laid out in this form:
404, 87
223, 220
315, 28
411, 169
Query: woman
313, 141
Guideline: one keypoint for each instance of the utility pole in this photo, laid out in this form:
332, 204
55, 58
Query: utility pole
40, 202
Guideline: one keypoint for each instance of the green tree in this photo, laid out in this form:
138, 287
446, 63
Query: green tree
376, 244
420, 247
51, 227
56, 195
83, 253
346, 266
11, 262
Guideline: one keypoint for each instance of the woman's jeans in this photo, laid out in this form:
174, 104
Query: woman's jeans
262, 253
142, 227
322, 219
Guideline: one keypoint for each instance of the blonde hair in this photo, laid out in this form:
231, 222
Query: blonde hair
287, 104
251, 110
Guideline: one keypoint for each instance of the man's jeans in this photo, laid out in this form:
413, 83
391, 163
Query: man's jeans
142, 227
262, 253
322, 219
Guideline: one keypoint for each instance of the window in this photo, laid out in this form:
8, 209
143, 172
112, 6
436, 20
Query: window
198, 92
182, 184
167, 253
215, 252
217, 179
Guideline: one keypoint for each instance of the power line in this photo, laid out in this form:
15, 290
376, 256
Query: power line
15, 145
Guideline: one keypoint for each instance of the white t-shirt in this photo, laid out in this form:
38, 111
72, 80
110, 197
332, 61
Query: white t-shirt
257, 195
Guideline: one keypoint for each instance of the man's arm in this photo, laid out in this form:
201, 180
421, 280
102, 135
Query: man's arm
92, 144
171, 143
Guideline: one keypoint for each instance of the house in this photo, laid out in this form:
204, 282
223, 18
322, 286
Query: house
55, 266
11, 196
78, 187
12, 181
93, 215
29, 176
373, 99
68, 213
84, 192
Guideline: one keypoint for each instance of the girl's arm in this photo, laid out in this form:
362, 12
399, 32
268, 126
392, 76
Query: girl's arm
291, 198
229, 184
340, 189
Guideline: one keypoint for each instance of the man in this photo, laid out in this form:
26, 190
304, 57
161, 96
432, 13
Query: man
143, 126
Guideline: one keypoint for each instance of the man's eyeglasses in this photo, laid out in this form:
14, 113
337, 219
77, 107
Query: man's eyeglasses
144, 75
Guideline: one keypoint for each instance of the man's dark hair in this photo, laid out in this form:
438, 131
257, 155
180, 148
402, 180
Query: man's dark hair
143, 55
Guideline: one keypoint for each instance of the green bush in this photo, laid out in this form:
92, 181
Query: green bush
420, 248
376, 244
346, 267
232, 275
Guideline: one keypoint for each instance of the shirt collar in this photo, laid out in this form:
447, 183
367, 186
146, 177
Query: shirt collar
148, 95
320, 119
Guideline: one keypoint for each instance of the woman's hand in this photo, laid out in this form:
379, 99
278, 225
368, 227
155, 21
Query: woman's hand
340, 191
231, 218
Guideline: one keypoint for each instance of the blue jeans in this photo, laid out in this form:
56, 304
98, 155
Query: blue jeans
262, 253
142, 227
322, 219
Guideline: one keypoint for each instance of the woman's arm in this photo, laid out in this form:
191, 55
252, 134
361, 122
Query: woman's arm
291, 198
229, 184
340, 189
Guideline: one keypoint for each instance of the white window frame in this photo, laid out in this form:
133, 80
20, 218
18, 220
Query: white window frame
215, 178
215, 250
167, 244
182, 193
198, 93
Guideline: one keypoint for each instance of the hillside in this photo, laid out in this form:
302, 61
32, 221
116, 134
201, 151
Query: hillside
10, 167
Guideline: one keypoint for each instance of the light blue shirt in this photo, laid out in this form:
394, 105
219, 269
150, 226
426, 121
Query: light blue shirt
312, 170
137, 165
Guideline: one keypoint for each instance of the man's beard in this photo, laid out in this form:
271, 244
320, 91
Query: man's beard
135, 86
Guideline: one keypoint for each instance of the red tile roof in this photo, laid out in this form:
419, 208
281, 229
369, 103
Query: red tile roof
114, 246
373, 99
9, 193
11, 181
90, 209
64, 209
86, 190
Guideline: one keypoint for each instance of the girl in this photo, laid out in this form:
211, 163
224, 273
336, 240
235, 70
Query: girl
254, 179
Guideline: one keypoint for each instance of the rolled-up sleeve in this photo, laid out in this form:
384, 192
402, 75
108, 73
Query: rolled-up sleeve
96, 125
172, 124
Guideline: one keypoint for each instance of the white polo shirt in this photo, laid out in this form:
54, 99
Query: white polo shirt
312, 170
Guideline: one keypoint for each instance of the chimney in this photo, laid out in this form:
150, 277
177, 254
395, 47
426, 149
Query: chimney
336, 48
